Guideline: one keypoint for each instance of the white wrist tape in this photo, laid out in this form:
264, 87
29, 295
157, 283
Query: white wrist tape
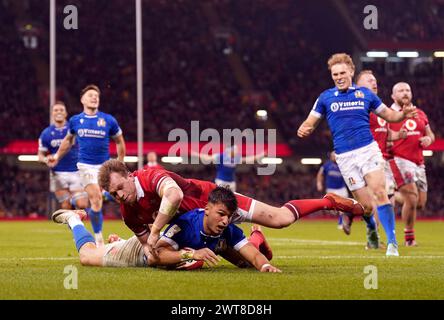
265, 265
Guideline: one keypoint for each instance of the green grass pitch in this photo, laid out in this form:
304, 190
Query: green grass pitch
318, 262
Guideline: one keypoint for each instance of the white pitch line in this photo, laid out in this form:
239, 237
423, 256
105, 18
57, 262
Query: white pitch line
321, 242
358, 257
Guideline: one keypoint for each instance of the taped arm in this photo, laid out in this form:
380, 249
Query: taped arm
172, 196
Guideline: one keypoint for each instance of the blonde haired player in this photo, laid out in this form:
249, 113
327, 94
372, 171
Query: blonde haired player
347, 109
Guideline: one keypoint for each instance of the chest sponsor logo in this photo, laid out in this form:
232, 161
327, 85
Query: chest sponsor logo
91, 133
347, 105
381, 122
56, 143
334, 107
411, 125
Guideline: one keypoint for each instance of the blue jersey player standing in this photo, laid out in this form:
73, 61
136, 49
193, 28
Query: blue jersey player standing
93, 130
65, 178
347, 110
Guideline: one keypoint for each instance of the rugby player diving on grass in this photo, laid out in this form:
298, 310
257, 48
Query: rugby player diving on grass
191, 240
150, 198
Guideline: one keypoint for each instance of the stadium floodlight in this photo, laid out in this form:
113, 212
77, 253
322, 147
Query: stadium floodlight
427, 153
407, 54
311, 161
28, 158
173, 160
438, 54
131, 159
377, 54
267, 160
261, 113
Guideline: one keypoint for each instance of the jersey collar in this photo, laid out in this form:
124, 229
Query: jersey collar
139, 190
396, 107
353, 87
90, 117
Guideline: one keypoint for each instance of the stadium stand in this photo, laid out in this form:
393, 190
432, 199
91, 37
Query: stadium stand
188, 76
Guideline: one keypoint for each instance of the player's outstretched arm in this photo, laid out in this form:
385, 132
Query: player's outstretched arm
308, 126
172, 196
257, 259
65, 146
166, 255
391, 115
121, 147
42, 157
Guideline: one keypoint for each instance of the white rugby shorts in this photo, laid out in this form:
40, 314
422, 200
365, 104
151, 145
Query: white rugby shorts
88, 173
65, 180
356, 164
406, 171
124, 253
343, 192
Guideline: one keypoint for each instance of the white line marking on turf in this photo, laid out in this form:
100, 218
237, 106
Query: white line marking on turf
359, 257
321, 242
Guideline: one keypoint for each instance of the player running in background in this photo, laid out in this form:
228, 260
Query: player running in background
226, 163
347, 109
196, 237
92, 130
334, 182
153, 197
382, 134
408, 165
64, 178
151, 159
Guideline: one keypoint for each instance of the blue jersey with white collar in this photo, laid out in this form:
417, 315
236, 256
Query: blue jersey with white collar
50, 140
93, 134
348, 115
226, 167
187, 231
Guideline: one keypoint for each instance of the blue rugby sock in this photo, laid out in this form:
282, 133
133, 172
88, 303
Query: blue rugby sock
81, 236
370, 221
340, 219
96, 218
387, 217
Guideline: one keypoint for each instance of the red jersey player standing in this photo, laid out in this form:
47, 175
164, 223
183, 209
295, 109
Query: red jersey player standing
151, 161
408, 164
383, 136
382, 132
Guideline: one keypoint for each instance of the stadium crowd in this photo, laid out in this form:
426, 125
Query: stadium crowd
187, 77
402, 20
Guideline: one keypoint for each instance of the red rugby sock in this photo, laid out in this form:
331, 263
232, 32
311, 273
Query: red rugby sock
302, 208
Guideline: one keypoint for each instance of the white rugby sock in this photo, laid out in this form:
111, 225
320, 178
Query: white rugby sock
74, 221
